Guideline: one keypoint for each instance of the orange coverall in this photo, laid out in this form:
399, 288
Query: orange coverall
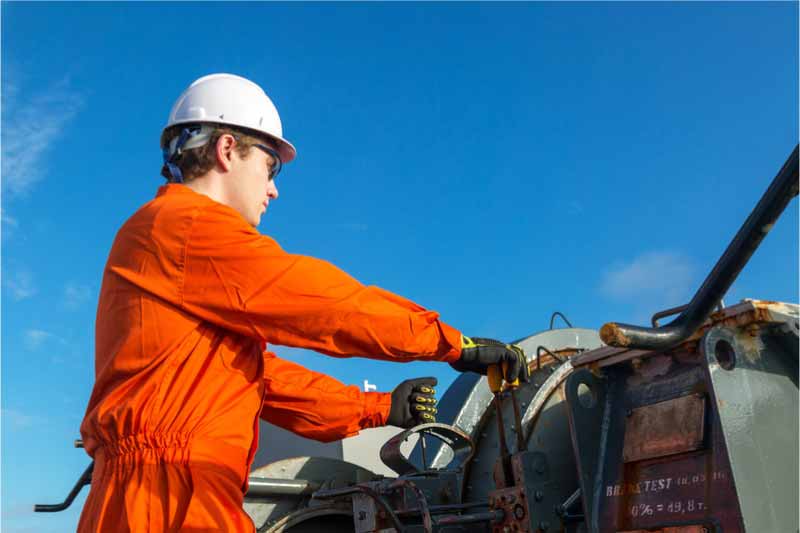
191, 294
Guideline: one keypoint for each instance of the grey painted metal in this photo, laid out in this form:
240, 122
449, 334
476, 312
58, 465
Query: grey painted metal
465, 402
545, 391
589, 422
757, 399
276, 443
325, 472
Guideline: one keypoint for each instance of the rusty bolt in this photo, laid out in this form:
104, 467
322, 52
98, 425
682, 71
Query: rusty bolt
519, 512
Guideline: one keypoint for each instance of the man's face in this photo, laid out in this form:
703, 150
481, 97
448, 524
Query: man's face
250, 188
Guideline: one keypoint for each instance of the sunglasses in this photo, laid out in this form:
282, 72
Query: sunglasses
276, 165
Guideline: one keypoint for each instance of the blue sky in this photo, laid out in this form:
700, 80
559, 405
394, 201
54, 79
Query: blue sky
495, 162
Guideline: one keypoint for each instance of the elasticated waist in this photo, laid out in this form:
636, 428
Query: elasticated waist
147, 447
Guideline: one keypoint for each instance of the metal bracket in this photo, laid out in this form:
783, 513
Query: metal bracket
458, 441
589, 421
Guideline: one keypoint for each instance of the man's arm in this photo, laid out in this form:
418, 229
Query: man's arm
244, 281
317, 406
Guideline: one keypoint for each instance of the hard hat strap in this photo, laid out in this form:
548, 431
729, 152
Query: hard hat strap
188, 139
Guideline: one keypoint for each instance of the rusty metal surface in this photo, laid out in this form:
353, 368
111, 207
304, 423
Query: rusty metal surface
745, 314
511, 501
695, 488
664, 428
689, 488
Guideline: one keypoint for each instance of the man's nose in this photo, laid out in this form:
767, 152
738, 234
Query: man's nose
272, 190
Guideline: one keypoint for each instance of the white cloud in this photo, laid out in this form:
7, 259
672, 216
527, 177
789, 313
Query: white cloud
663, 276
18, 420
75, 295
20, 284
575, 208
36, 338
8, 225
8, 219
29, 127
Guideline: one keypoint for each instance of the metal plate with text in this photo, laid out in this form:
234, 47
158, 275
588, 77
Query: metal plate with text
664, 428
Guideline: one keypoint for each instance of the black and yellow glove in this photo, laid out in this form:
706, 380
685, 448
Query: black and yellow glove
413, 403
477, 355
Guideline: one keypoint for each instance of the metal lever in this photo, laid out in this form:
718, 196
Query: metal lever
85, 479
494, 377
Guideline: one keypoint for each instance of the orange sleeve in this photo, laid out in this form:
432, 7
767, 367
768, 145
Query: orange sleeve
317, 406
244, 281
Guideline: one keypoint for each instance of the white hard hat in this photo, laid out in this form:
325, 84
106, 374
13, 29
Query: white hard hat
231, 100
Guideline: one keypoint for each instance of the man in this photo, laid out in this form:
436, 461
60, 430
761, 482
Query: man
191, 295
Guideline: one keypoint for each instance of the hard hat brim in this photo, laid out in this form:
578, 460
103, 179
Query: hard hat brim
285, 149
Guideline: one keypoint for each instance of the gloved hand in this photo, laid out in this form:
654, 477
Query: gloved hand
477, 355
413, 403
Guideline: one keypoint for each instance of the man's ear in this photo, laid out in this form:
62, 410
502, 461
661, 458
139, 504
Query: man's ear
224, 152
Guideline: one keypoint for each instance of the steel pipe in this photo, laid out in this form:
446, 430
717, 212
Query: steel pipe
262, 487
780, 192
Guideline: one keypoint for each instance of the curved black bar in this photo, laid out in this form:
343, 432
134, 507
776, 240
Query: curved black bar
540, 349
553, 319
459, 442
85, 479
780, 192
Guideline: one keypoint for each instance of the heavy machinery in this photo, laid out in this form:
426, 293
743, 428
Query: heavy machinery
688, 427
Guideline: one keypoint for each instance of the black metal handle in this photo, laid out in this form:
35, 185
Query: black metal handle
559, 313
458, 441
85, 479
780, 192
